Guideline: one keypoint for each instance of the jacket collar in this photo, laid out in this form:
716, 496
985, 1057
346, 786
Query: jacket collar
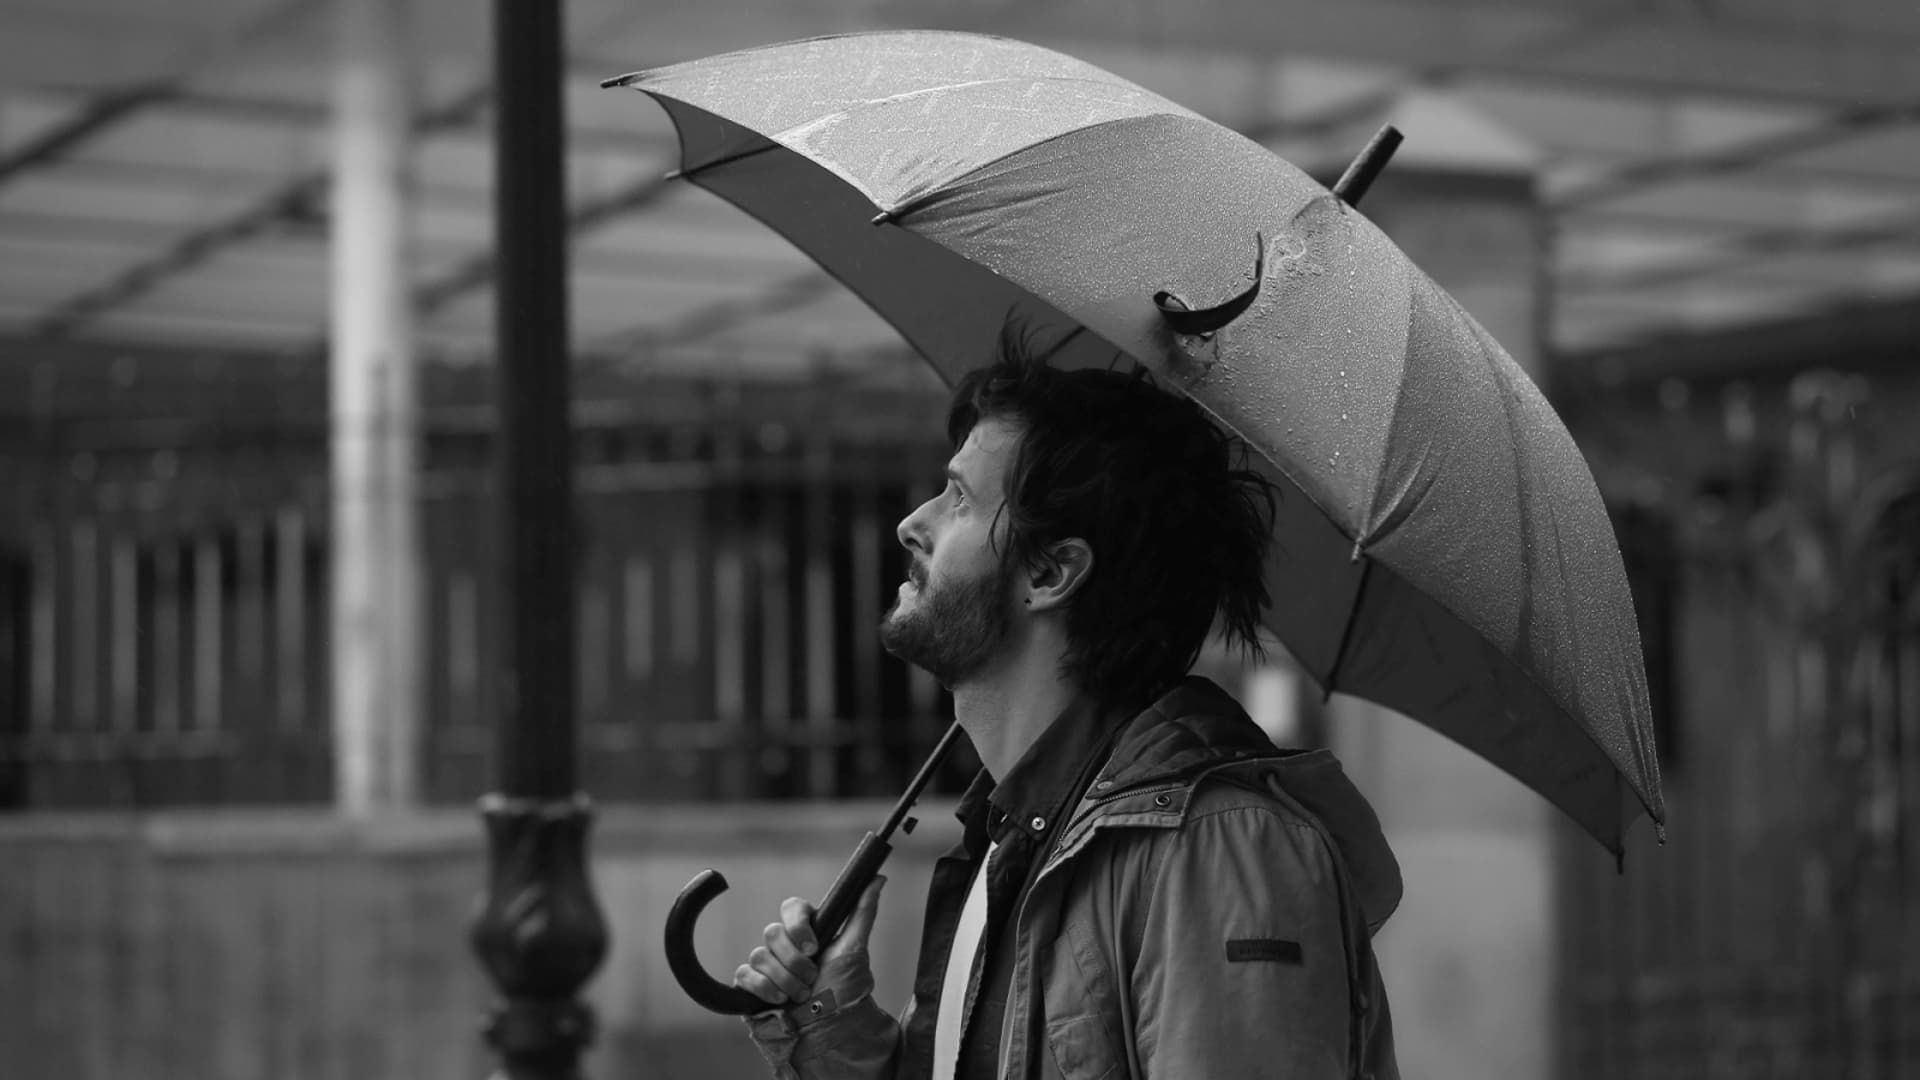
1190, 729
1198, 730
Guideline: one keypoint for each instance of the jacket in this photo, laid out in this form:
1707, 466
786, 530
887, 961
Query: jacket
1207, 911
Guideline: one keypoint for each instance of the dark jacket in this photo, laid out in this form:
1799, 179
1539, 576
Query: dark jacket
1206, 912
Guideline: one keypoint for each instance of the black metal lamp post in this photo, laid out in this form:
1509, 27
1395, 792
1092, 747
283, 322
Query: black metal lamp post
538, 931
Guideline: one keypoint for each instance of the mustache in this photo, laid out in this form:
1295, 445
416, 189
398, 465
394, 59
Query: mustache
917, 573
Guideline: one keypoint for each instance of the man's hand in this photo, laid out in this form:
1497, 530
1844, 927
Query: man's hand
784, 970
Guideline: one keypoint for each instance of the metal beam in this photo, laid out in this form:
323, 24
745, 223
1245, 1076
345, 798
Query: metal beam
1676, 47
298, 197
716, 318
90, 120
481, 268
111, 108
1642, 174
1740, 252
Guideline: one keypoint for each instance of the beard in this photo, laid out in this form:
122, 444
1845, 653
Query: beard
955, 628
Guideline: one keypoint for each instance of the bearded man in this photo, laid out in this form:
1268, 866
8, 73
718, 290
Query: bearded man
1146, 887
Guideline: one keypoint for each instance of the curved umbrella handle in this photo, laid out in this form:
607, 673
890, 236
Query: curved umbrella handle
706, 991
828, 920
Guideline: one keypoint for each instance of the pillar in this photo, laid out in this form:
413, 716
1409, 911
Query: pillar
373, 420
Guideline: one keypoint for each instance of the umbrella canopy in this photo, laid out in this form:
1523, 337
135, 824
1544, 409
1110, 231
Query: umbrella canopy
1441, 547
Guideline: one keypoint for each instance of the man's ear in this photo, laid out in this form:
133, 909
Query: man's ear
1057, 574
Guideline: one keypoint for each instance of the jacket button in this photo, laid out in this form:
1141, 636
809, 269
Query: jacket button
1103, 785
1163, 800
1038, 823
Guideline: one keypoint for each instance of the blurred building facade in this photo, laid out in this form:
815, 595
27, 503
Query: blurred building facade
1768, 504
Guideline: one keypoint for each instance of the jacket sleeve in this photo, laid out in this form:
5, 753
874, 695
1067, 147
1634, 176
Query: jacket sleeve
826, 1039
1242, 969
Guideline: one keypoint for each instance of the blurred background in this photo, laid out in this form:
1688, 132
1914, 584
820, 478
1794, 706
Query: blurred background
1697, 224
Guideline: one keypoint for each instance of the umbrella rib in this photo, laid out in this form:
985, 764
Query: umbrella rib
688, 174
1370, 522
917, 200
1353, 619
1649, 769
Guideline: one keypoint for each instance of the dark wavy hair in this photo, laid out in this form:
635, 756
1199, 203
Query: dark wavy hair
1178, 524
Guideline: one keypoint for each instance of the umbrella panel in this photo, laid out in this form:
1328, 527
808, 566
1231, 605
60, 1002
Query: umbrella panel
950, 310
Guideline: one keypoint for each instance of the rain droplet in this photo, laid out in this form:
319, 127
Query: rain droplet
1343, 416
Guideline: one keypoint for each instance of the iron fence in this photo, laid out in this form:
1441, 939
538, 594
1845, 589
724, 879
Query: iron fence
163, 623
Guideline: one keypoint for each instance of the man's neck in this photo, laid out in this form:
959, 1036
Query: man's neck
1005, 710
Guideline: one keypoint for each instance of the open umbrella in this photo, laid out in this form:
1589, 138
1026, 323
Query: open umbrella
1441, 547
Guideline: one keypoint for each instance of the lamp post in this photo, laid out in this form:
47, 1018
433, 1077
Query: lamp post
538, 930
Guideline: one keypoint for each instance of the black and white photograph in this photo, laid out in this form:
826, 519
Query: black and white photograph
959, 540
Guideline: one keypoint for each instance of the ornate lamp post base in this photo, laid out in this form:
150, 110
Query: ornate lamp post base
539, 933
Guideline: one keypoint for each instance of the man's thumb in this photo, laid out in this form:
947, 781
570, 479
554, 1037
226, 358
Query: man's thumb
860, 923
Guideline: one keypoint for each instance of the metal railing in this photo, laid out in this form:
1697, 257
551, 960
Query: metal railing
163, 638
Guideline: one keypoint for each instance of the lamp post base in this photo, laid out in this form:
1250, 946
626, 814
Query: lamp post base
540, 934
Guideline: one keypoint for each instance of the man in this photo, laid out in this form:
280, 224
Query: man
1146, 888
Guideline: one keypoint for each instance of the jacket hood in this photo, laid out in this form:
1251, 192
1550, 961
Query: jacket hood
1197, 729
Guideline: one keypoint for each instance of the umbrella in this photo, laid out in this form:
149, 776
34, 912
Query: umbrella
1441, 547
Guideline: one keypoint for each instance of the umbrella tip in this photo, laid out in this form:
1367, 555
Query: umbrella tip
1353, 184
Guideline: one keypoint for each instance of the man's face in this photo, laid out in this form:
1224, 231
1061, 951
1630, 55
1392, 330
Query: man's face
955, 609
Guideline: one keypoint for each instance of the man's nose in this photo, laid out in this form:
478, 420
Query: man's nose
912, 531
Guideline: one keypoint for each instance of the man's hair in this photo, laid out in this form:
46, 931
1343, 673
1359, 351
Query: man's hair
1178, 525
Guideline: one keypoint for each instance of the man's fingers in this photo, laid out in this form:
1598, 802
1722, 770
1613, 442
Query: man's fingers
758, 985
762, 961
780, 943
797, 916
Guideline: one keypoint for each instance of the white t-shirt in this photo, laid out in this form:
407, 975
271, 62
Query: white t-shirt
953, 993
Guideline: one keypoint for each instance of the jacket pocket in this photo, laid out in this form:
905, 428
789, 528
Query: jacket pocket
1081, 1051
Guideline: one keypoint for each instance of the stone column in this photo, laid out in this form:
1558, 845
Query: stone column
373, 420
1469, 958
